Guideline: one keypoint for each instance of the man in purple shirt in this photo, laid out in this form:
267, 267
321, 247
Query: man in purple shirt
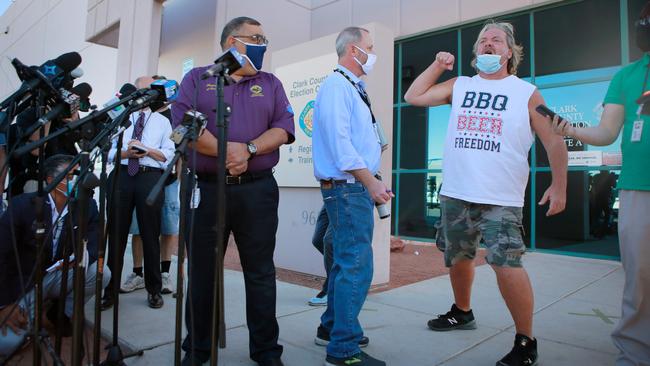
260, 122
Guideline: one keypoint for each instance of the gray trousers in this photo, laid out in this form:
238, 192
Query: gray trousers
51, 285
632, 334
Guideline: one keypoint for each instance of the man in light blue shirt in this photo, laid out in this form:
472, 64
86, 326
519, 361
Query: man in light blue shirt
346, 157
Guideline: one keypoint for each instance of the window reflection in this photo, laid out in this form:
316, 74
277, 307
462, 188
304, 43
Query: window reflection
589, 223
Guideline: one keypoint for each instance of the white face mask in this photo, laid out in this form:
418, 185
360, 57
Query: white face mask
370, 62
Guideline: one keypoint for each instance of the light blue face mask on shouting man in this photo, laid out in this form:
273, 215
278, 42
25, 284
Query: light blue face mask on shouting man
489, 64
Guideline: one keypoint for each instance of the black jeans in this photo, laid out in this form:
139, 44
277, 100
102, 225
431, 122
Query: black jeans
131, 194
252, 216
322, 241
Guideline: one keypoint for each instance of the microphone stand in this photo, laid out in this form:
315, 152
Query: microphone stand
101, 250
192, 134
40, 229
218, 325
86, 184
115, 357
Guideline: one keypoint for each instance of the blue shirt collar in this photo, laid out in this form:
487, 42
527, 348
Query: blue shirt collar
352, 77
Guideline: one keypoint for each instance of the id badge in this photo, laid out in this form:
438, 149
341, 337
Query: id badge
196, 197
637, 130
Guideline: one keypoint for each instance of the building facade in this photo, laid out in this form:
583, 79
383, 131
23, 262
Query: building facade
571, 50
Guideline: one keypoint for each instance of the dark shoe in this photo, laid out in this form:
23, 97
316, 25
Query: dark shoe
271, 362
523, 353
155, 301
107, 302
360, 359
188, 360
454, 319
323, 338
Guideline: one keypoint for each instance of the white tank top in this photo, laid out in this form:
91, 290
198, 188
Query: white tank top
488, 138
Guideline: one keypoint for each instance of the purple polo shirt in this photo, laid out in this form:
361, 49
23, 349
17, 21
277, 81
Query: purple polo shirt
258, 103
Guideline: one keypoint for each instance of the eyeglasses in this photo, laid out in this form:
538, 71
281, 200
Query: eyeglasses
256, 38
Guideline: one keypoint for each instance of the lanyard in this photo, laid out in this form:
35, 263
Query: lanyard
363, 95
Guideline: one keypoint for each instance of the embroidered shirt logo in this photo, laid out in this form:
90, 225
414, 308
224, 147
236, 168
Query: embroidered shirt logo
256, 91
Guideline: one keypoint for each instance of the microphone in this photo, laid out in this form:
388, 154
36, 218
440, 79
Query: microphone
161, 91
126, 90
229, 62
188, 118
50, 74
77, 73
70, 104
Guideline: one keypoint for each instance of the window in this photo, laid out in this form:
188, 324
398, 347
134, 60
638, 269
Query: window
418, 54
584, 35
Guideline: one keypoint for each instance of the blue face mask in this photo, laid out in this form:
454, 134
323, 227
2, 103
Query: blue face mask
254, 54
488, 64
69, 187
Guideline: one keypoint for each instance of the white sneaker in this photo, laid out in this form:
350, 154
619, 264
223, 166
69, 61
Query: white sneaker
318, 300
132, 283
167, 286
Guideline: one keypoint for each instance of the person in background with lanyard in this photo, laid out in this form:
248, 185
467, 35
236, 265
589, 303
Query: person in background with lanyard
347, 152
623, 107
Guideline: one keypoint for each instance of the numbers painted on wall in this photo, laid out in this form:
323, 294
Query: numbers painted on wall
309, 217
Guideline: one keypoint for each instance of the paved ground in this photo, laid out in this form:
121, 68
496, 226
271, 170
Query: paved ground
577, 305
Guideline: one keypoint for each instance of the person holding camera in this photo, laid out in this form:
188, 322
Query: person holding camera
492, 125
145, 154
626, 109
347, 152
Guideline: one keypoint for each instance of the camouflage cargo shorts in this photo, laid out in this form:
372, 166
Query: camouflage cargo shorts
463, 224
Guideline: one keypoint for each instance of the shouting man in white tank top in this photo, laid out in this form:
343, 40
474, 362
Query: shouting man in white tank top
485, 168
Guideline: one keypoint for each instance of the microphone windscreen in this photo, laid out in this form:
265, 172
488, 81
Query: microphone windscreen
83, 90
77, 73
68, 61
127, 89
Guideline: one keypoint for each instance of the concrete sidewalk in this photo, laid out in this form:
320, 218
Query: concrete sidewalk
577, 304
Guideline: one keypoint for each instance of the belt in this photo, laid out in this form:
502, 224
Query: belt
236, 179
144, 169
329, 183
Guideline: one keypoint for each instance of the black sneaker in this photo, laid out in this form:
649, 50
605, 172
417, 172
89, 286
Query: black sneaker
523, 353
323, 338
155, 301
454, 319
360, 359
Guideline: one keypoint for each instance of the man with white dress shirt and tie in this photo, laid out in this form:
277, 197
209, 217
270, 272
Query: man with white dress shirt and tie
347, 152
145, 154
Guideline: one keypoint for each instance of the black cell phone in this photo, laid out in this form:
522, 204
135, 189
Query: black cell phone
140, 149
546, 112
